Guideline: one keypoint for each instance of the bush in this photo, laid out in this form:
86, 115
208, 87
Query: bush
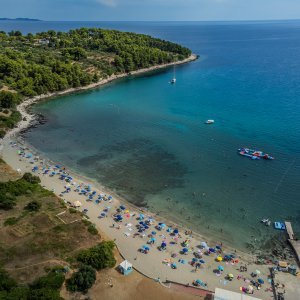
11, 189
6, 283
2, 134
82, 280
31, 178
33, 206
53, 280
99, 257
11, 221
92, 229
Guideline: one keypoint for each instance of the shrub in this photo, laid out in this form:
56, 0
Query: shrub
31, 178
6, 283
33, 206
53, 280
99, 257
92, 229
82, 280
2, 134
11, 221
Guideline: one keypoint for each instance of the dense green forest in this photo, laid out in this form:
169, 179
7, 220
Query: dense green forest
52, 61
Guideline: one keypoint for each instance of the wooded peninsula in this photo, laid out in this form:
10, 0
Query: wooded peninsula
51, 61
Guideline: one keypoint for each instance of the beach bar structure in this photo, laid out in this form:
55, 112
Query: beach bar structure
125, 267
221, 294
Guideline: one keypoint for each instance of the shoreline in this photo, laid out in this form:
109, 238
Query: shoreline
152, 265
30, 118
13, 161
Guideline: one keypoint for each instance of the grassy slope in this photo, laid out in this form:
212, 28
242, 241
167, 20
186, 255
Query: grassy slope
35, 238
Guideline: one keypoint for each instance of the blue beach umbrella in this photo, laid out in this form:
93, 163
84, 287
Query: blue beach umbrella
153, 232
153, 239
176, 231
201, 261
220, 268
213, 250
185, 250
122, 207
259, 280
163, 244
162, 225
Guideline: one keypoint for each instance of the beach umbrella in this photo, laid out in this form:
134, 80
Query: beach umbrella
259, 280
126, 211
230, 275
146, 227
153, 239
218, 247
127, 215
153, 232
185, 250
198, 281
213, 250
203, 245
142, 216
176, 231
122, 207
173, 266
257, 272
169, 229
219, 258
194, 259
163, 244
162, 225
220, 268
109, 197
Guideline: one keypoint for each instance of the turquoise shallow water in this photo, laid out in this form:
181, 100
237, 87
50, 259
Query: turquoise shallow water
147, 140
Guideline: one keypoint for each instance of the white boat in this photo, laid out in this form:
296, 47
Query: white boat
209, 121
174, 78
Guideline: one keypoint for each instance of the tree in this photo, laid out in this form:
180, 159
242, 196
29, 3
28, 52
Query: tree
8, 99
82, 280
99, 257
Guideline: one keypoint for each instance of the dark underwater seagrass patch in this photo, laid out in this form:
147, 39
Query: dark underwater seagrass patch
135, 168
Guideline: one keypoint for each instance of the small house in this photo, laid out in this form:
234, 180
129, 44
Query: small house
125, 267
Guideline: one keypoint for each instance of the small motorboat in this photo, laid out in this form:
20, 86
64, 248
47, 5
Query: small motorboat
254, 154
209, 121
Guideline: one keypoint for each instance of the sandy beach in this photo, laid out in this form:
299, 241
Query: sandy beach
156, 264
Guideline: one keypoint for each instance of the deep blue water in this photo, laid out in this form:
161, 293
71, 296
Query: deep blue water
147, 140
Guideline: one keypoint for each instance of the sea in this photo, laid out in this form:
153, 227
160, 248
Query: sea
146, 139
